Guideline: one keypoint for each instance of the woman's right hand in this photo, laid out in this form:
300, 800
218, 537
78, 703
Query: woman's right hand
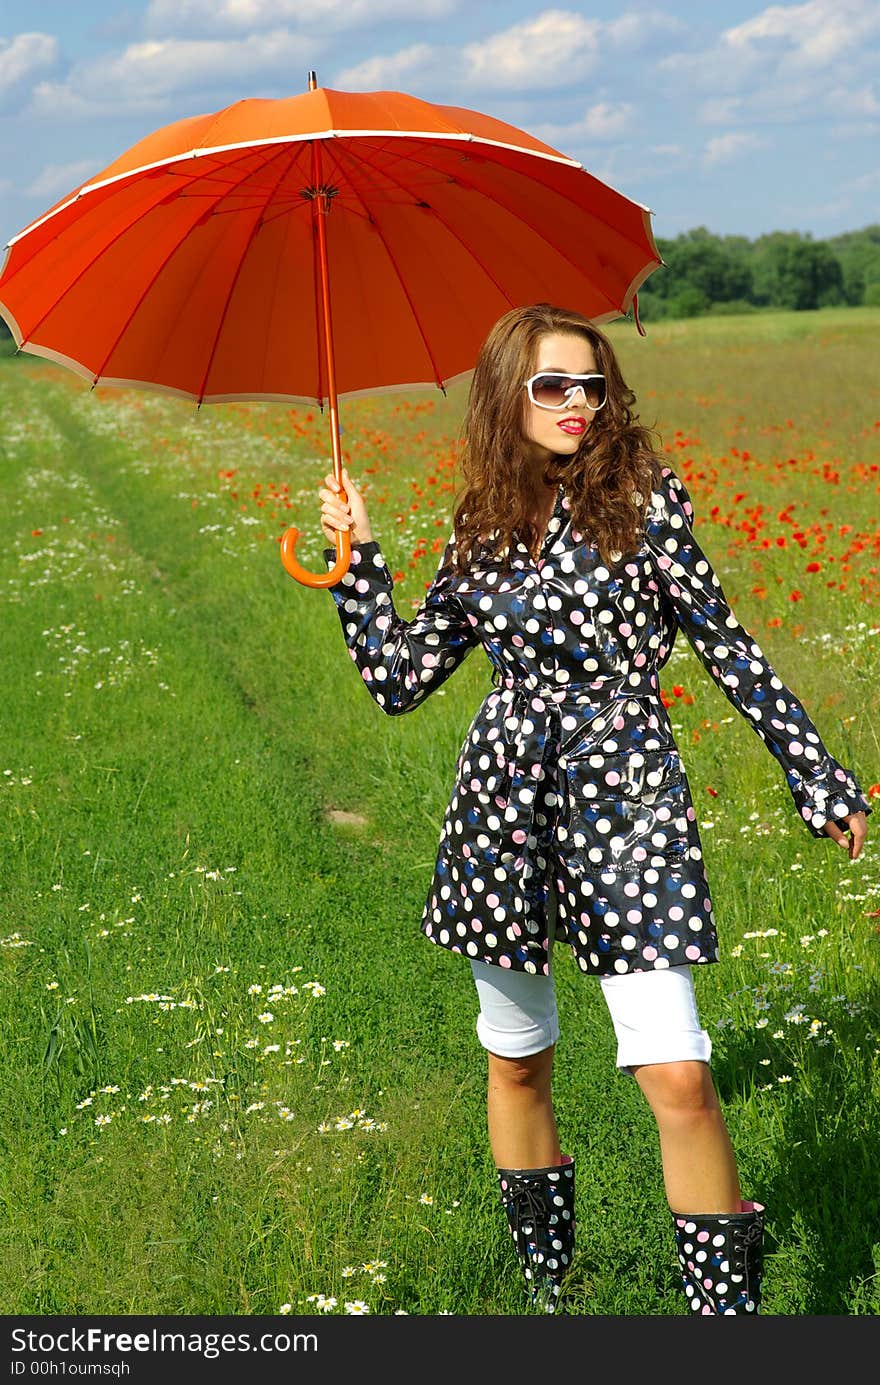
350, 514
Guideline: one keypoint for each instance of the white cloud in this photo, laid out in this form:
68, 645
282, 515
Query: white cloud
856, 129
814, 34
607, 119
847, 102
865, 181
207, 16
557, 47
604, 121
721, 111
783, 43
23, 55
409, 66
556, 42
145, 75
787, 62
724, 148
58, 179
629, 169
640, 27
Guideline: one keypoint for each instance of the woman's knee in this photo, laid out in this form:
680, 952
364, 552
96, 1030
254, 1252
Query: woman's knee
532, 1071
682, 1088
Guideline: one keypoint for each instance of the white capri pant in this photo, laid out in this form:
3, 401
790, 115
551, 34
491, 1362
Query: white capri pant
654, 1013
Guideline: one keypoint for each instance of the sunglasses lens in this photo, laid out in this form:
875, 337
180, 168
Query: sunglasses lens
555, 391
549, 391
596, 392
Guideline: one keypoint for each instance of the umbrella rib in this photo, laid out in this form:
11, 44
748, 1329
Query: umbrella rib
172, 251
471, 187
402, 283
617, 230
250, 240
322, 325
85, 269
148, 286
446, 226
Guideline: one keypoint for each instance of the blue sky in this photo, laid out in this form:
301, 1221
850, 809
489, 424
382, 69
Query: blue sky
735, 115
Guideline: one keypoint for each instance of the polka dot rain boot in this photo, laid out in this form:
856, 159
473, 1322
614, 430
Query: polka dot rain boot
540, 1211
721, 1258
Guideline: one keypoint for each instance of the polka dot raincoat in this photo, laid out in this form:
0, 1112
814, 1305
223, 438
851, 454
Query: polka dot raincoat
569, 778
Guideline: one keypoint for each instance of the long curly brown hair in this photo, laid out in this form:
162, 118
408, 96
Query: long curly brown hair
608, 480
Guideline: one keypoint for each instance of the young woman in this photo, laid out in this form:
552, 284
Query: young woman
573, 561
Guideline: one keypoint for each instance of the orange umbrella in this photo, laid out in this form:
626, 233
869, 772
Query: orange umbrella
202, 261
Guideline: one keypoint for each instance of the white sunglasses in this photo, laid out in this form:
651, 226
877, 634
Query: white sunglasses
549, 390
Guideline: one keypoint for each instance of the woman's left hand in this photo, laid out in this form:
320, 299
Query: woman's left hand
857, 824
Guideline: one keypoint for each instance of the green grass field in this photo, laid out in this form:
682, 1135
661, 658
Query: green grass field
239, 1080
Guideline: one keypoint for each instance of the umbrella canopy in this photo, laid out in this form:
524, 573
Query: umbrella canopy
189, 263
320, 246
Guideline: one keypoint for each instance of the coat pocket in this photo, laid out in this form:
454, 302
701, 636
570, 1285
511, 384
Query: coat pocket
628, 807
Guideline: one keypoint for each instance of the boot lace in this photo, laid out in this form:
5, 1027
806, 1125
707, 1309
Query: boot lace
746, 1236
528, 1206
748, 1261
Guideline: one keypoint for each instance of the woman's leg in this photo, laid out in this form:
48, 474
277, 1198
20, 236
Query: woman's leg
699, 1167
518, 1026
718, 1236
661, 1042
522, 1126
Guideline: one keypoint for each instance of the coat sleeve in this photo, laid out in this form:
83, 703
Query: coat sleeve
401, 661
822, 789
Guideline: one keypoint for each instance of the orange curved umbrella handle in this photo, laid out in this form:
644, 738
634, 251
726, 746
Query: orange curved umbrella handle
316, 579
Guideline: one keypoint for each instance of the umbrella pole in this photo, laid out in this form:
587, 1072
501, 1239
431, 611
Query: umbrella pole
320, 196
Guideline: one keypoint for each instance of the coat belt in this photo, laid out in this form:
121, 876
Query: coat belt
537, 708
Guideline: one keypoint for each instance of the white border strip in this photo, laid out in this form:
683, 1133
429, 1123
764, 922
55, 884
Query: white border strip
430, 136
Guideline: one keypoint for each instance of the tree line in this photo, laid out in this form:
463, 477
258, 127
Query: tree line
707, 273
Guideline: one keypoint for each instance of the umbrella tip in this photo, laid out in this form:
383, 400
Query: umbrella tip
313, 81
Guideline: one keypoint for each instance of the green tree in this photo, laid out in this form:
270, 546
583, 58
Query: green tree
689, 301
701, 261
794, 271
859, 256
712, 269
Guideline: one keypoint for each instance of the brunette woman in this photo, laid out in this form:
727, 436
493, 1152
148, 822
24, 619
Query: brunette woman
573, 561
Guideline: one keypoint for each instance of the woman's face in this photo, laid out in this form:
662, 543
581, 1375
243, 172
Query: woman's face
559, 433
